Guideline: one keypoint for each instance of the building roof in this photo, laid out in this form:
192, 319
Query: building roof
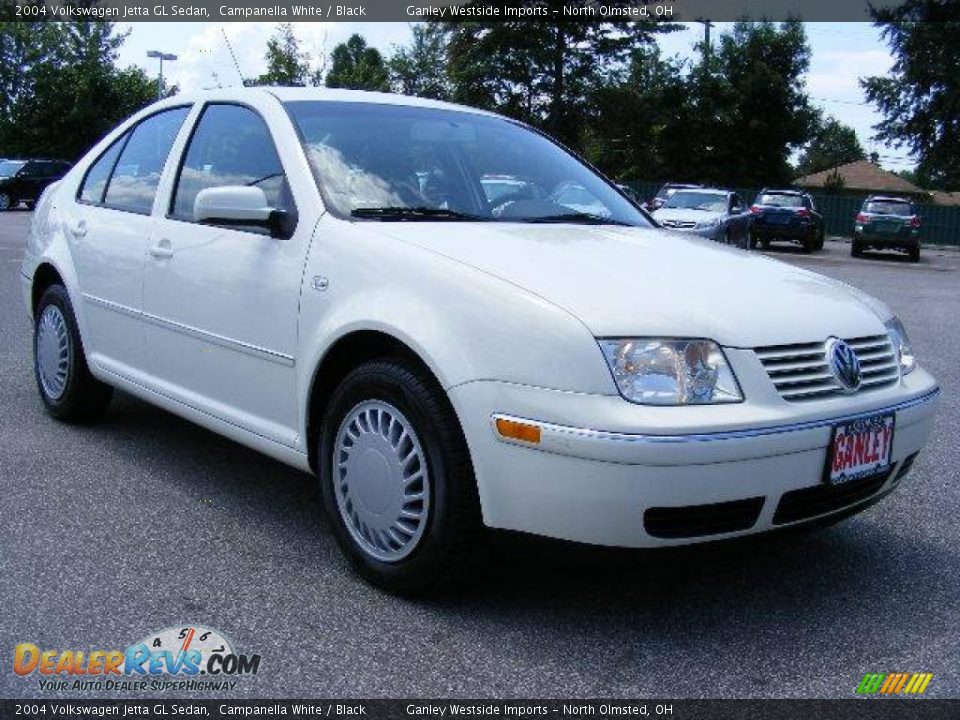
945, 198
863, 175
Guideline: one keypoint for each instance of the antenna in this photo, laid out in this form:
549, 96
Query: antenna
234, 57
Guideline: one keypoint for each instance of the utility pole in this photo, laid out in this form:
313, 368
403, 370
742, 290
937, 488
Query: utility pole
161, 56
706, 39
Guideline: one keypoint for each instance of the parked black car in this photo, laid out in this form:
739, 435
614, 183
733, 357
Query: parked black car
887, 223
786, 215
24, 180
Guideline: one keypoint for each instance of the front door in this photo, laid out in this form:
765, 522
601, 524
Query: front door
221, 303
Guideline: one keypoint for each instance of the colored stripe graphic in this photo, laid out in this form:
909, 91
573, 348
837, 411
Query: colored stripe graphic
894, 683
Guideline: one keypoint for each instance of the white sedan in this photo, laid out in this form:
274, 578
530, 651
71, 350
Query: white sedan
320, 275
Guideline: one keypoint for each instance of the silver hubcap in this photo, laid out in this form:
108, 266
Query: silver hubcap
53, 352
381, 481
4, 201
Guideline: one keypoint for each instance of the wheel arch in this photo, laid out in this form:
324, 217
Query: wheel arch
45, 275
343, 355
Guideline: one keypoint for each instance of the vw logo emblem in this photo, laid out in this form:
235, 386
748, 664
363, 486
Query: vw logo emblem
843, 364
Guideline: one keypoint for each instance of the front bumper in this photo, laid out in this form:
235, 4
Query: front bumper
604, 487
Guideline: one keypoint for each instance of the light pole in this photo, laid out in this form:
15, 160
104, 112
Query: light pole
161, 56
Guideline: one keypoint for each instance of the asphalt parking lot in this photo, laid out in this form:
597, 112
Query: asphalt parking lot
145, 521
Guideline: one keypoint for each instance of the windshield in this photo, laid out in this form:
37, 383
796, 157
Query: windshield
888, 207
388, 162
714, 202
9, 168
778, 200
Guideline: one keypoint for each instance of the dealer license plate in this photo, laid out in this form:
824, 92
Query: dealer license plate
859, 448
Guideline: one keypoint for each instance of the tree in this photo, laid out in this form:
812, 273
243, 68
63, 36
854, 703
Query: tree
541, 72
287, 63
833, 144
420, 68
752, 109
357, 66
634, 118
919, 98
69, 92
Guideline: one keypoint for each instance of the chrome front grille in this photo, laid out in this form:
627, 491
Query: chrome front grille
801, 372
679, 224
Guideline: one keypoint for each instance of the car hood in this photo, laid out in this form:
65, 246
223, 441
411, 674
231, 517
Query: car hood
645, 282
685, 214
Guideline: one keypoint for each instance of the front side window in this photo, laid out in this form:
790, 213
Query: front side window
387, 162
231, 145
95, 183
133, 185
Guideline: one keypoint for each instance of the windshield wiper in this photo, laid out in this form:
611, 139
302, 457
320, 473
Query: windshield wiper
401, 212
575, 217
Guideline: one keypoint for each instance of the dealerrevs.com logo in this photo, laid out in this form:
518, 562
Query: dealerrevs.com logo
182, 658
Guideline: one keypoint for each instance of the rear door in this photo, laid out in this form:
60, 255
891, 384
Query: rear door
109, 227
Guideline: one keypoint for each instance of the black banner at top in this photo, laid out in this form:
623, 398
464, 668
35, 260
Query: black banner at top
422, 10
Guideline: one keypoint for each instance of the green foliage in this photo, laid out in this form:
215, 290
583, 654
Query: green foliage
60, 90
833, 144
420, 68
543, 73
920, 98
357, 66
287, 64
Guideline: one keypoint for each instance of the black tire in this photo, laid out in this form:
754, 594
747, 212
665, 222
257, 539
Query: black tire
31, 204
915, 253
7, 201
855, 249
84, 398
808, 245
753, 241
451, 535
820, 239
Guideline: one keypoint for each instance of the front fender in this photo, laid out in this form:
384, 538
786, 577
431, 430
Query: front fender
466, 325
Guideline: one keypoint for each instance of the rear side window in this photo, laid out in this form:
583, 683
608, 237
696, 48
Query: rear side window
133, 184
231, 145
94, 184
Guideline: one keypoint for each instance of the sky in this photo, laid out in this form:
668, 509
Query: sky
841, 54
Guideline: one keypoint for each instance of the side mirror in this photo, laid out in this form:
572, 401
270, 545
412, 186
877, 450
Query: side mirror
239, 205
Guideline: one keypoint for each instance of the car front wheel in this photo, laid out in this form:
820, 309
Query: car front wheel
396, 478
68, 390
6, 202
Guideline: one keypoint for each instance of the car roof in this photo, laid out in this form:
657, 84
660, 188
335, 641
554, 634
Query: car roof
297, 94
776, 191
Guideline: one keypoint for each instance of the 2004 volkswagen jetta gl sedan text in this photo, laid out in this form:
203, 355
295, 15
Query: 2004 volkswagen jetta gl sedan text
326, 276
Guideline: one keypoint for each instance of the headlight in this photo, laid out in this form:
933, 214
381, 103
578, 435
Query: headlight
670, 372
708, 224
901, 344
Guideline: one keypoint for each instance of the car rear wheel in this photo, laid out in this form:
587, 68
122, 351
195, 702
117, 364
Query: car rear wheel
915, 253
856, 250
7, 202
396, 478
68, 390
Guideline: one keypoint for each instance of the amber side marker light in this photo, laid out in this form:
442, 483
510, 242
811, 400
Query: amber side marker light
514, 430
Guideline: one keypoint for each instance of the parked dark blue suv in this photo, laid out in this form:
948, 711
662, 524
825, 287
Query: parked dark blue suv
786, 215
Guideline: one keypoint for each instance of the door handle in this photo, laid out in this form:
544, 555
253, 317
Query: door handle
79, 229
162, 250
